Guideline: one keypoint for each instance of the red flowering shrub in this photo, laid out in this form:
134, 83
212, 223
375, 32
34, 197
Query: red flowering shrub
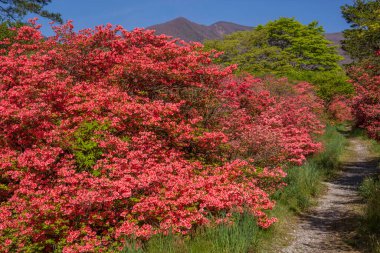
107, 134
366, 103
340, 109
272, 129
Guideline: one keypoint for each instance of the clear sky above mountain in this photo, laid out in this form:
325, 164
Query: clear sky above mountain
143, 13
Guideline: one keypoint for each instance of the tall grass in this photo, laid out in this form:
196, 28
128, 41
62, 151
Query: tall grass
304, 183
334, 144
370, 191
240, 237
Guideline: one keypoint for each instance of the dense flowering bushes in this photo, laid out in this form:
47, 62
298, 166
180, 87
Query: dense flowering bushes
340, 109
107, 134
366, 103
275, 121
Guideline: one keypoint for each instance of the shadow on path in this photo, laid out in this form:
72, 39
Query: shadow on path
331, 225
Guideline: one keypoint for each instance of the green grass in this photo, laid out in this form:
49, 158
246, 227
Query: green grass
375, 147
304, 184
329, 161
370, 191
240, 237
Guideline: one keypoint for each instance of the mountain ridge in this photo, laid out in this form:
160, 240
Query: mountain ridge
188, 30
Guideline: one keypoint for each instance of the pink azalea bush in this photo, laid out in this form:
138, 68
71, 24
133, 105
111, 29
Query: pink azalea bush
366, 103
340, 109
107, 134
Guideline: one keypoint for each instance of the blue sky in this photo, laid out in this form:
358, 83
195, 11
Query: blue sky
142, 13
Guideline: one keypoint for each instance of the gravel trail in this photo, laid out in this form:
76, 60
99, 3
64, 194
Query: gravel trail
331, 225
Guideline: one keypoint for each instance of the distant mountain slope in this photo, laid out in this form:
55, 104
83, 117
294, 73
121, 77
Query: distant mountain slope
190, 31
337, 38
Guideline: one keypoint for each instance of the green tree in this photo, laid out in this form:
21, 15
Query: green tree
285, 47
251, 51
279, 46
15, 10
5, 32
363, 39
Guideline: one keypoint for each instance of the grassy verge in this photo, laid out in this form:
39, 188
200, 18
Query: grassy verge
304, 183
370, 191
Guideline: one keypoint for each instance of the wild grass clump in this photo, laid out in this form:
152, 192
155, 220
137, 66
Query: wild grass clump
334, 143
240, 237
304, 183
370, 190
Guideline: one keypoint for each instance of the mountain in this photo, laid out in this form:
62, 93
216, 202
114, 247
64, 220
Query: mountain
190, 31
336, 38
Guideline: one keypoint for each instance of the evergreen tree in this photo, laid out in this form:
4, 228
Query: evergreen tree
15, 10
363, 39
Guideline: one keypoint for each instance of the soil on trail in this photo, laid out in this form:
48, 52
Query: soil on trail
331, 225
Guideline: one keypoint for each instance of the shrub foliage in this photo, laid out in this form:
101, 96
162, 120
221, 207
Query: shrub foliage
366, 103
107, 134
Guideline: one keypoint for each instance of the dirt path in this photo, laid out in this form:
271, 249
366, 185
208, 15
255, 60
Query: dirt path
331, 225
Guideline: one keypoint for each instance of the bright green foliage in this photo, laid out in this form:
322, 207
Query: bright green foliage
278, 47
328, 83
305, 44
85, 145
363, 39
251, 51
6, 32
16, 10
285, 47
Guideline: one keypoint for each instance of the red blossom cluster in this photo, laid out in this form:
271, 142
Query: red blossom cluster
340, 109
107, 134
366, 103
274, 121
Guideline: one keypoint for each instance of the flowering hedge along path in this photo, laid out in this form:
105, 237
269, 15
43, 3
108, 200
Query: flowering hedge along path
107, 134
366, 103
